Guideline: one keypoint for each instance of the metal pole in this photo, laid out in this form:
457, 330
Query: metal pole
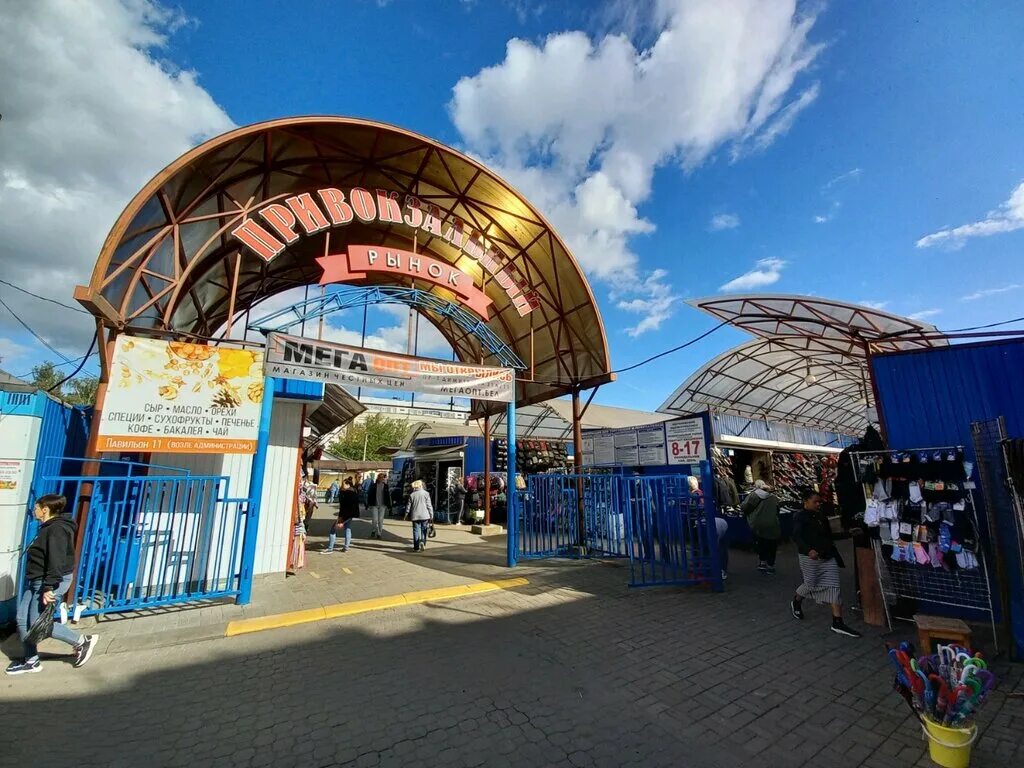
510, 493
577, 463
707, 481
486, 470
252, 518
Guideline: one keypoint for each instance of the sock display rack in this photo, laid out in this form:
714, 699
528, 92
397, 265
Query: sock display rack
923, 524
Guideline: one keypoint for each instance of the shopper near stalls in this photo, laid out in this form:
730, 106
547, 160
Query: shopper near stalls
332, 493
761, 508
379, 501
49, 562
819, 563
421, 512
348, 510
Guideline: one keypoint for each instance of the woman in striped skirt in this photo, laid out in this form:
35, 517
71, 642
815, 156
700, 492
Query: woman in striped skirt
818, 563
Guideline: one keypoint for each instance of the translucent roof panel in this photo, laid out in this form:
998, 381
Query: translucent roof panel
796, 381
842, 326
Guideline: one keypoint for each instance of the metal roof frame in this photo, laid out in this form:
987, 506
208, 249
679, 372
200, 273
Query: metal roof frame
808, 365
170, 265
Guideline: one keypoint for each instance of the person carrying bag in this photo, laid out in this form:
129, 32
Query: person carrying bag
49, 563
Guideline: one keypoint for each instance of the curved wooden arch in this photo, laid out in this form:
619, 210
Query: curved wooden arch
170, 264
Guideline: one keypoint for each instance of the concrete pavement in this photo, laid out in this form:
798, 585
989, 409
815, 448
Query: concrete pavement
572, 669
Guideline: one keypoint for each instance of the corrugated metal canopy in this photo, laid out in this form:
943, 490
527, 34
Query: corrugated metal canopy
337, 409
170, 262
809, 366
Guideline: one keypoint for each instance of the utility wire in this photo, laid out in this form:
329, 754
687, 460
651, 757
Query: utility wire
92, 346
39, 338
983, 327
44, 298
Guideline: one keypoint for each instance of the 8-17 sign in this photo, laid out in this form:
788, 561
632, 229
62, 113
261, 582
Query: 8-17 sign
685, 441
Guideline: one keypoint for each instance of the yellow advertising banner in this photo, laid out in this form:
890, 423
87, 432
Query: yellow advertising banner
179, 397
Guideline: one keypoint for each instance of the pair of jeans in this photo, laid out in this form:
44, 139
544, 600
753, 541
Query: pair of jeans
377, 514
766, 550
29, 607
346, 526
419, 532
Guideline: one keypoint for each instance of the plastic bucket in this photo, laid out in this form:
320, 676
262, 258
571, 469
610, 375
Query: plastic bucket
950, 747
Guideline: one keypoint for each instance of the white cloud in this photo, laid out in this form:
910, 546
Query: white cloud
765, 272
986, 292
581, 125
722, 221
853, 173
11, 351
655, 303
91, 110
874, 304
924, 314
831, 189
1006, 218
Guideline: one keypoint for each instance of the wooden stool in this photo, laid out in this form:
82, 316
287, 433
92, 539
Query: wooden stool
932, 630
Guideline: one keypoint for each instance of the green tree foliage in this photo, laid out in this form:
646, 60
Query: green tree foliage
81, 390
375, 432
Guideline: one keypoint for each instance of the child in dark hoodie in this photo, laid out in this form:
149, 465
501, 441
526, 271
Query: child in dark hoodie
49, 562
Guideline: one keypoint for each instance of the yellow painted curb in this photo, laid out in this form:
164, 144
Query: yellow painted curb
276, 621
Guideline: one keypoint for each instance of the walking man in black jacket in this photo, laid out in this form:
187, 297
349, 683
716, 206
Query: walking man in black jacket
49, 562
819, 563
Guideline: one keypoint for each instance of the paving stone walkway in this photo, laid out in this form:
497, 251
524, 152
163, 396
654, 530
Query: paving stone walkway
573, 669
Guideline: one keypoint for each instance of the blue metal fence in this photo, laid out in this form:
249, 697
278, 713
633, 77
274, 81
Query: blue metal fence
153, 539
668, 534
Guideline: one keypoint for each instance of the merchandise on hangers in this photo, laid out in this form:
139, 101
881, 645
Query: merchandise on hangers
920, 506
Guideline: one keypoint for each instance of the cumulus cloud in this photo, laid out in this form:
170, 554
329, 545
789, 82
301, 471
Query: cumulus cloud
91, 110
1006, 218
924, 314
986, 292
580, 125
765, 272
722, 221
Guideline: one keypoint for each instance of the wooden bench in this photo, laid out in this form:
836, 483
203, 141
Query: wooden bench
933, 630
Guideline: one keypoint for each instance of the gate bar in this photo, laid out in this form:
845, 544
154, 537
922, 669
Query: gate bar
510, 492
259, 465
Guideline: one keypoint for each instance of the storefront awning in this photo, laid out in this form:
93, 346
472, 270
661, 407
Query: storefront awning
552, 420
756, 444
442, 453
338, 409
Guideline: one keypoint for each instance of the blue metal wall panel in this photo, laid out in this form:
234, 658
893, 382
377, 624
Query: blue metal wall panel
293, 389
931, 397
474, 455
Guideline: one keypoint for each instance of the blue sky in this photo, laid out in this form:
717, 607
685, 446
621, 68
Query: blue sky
898, 121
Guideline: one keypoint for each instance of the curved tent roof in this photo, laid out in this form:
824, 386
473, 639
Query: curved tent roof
174, 263
808, 367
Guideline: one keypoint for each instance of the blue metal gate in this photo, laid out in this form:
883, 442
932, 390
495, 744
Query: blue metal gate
668, 534
155, 539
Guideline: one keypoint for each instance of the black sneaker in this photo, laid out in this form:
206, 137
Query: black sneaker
762, 566
796, 609
24, 667
770, 570
84, 651
840, 628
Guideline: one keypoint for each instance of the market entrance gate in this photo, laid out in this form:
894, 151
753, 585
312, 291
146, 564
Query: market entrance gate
667, 533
